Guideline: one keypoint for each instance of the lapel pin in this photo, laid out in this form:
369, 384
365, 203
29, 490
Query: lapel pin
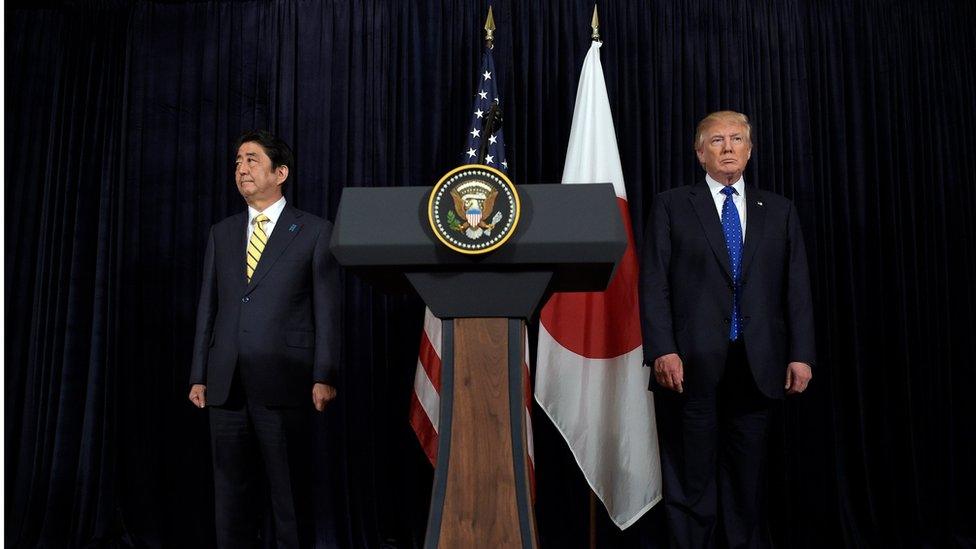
759, 203
292, 228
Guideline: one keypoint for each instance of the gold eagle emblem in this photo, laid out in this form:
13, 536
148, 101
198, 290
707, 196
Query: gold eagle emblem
474, 209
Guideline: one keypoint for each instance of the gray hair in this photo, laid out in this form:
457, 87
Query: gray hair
721, 116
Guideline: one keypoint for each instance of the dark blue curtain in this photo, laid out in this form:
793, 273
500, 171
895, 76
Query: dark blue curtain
120, 117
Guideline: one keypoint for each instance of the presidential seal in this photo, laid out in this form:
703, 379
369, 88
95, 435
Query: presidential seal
473, 209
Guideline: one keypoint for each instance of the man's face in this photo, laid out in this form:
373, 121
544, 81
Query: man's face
256, 180
725, 151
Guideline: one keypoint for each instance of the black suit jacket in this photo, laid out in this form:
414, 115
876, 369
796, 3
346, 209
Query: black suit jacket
282, 329
686, 288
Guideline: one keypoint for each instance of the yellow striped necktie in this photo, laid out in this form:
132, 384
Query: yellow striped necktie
255, 246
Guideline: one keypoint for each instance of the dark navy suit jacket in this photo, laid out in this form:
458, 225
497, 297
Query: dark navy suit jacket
686, 288
281, 330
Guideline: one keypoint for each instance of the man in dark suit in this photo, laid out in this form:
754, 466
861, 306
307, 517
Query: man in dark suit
727, 318
266, 347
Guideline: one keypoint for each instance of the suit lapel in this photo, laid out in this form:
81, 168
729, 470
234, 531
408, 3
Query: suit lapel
755, 222
704, 205
241, 248
286, 229
232, 238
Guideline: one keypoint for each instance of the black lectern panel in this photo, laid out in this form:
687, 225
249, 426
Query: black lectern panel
574, 231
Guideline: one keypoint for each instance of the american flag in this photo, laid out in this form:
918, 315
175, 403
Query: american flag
485, 142
485, 145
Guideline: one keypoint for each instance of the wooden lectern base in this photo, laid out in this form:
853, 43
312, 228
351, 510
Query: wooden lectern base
481, 493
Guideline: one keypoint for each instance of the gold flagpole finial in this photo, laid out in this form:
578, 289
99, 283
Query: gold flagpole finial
490, 29
595, 25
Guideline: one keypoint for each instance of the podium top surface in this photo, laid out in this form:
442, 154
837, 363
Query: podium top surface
561, 225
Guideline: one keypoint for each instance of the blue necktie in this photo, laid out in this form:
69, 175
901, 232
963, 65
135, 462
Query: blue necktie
732, 228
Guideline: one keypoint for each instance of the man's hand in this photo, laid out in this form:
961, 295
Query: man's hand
670, 372
798, 375
322, 394
198, 395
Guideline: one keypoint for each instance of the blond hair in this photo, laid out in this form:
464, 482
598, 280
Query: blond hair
731, 117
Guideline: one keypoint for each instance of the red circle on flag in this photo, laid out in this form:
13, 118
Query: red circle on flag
600, 325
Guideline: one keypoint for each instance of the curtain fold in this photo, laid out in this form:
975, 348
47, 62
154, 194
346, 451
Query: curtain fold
62, 272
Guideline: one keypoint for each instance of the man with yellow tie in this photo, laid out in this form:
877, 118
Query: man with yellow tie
267, 339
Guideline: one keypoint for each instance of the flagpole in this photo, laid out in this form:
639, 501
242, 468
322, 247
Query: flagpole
595, 37
490, 30
592, 519
493, 118
595, 25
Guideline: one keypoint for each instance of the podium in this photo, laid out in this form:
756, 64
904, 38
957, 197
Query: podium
569, 238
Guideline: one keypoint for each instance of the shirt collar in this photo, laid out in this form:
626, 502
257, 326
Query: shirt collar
273, 211
715, 187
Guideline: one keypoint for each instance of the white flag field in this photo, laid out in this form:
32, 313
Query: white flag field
589, 375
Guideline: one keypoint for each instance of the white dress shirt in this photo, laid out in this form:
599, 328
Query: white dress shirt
273, 212
738, 199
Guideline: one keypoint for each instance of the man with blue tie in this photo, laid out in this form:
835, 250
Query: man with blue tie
727, 319
266, 348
